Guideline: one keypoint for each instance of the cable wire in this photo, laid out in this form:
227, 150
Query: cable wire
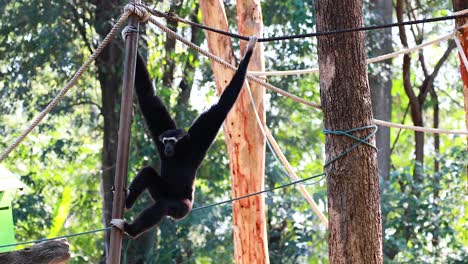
59, 237
260, 192
175, 17
287, 94
195, 209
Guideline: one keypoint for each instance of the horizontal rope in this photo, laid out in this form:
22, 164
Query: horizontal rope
228, 65
369, 61
175, 17
68, 86
420, 129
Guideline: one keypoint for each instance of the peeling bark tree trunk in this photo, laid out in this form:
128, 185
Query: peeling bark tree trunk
463, 37
353, 185
250, 236
246, 145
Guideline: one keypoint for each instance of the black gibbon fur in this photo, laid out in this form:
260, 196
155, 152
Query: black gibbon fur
181, 152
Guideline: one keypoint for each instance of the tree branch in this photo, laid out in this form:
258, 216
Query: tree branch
428, 82
80, 26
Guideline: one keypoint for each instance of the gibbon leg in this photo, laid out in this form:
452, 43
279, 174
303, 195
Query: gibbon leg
151, 216
143, 180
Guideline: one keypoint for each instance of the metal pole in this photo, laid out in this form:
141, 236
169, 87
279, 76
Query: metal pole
131, 42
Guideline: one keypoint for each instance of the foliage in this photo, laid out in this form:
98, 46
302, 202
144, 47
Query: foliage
435, 215
42, 43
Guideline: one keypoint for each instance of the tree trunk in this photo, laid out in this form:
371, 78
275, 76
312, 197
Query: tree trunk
109, 71
246, 145
463, 37
436, 180
380, 81
415, 106
250, 240
49, 252
353, 183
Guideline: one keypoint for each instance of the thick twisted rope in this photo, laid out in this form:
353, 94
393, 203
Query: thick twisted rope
287, 168
229, 66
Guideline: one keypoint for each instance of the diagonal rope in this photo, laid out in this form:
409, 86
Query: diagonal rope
260, 192
67, 87
228, 65
287, 168
461, 52
347, 133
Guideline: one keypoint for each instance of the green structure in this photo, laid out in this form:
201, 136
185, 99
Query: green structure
9, 184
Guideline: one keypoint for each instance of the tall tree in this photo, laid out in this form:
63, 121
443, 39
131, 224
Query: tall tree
380, 81
246, 144
417, 94
109, 69
353, 184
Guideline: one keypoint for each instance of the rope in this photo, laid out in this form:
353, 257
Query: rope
294, 97
67, 87
346, 133
462, 53
59, 237
139, 10
229, 66
420, 129
369, 61
461, 12
262, 129
287, 169
175, 17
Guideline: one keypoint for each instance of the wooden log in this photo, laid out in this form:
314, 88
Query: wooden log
48, 252
246, 145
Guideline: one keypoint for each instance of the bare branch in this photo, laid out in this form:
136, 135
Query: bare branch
428, 82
